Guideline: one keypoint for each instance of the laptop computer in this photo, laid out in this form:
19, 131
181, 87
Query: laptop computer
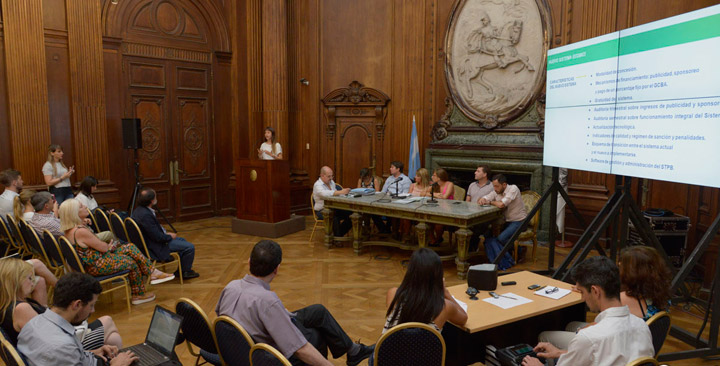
160, 340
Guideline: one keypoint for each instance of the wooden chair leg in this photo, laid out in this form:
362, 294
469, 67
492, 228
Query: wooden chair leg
535, 244
515, 253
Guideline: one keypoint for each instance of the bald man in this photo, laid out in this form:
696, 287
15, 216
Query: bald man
325, 187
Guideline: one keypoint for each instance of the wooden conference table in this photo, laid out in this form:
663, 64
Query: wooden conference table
460, 214
490, 324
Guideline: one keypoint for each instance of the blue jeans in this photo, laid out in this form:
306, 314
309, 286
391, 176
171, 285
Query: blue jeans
185, 249
61, 194
493, 245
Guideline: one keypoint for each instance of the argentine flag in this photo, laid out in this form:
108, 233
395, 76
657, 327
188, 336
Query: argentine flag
414, 160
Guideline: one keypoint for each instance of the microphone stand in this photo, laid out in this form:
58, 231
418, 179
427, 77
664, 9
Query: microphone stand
432, 202
397, 189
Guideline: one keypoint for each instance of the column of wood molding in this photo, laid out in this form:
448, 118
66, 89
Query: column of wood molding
27, 91
87, 86
275, 69
254, 74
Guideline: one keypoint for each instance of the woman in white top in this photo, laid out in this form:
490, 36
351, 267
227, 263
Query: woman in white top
85, 195
270, 149
22, 209
57, 175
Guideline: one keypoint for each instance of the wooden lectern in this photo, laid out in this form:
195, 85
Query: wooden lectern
262, 192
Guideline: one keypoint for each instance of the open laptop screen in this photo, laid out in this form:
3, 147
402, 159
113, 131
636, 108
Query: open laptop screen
163, 330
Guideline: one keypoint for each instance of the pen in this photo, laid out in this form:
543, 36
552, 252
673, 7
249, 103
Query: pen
495, 295
541, 287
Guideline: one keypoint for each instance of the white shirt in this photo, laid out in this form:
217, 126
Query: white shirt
320, 191
402, 187
618, 338
267, 148
48, 170
6, 202
90, 203
27, 216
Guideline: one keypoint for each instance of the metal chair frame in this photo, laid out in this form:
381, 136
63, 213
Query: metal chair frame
239, 328
401, 327
131, 225
202, 313
263, 347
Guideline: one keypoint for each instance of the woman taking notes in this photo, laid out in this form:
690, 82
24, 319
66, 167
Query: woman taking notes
270, 149
57, 175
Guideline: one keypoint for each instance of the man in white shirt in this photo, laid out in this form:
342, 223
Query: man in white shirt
506, 197
325, 187
616, 338
11, 179
396, 175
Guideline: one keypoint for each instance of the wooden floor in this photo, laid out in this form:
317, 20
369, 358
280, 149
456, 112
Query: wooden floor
352, 287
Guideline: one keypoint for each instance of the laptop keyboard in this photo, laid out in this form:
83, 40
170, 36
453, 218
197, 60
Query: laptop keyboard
147, 355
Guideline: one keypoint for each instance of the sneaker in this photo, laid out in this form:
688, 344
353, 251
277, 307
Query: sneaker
137, 300
190, 274
363, 353
162, 277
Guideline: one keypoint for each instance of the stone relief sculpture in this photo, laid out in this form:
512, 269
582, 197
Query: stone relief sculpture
497, 51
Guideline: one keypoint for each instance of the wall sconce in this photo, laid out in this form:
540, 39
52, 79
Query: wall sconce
114, 2
304, 81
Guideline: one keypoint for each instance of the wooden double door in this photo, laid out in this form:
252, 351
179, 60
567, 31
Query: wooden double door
173, 101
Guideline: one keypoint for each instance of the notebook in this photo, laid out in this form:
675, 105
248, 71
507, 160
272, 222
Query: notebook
160, 340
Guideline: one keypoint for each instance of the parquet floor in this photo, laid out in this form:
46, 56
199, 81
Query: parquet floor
352, 287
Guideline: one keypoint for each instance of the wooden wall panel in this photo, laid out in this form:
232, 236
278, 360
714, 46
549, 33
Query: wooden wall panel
54, 14
6, 156
58, 85
87, 81
275, 69
255, 80
120, 160
27, 99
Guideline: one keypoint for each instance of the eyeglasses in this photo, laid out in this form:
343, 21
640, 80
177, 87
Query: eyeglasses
552, 290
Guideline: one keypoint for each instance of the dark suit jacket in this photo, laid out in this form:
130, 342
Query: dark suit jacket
155, 238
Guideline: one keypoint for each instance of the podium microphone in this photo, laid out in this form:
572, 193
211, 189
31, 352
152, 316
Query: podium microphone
397, 183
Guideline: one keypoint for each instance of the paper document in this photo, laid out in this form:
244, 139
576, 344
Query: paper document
552, 293
462, 304
408, 200
506, 302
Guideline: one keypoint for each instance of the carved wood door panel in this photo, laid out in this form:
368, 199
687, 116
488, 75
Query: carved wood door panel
172, 99
354, 147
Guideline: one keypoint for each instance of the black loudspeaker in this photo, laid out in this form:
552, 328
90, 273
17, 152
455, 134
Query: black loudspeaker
131, 133
483, 277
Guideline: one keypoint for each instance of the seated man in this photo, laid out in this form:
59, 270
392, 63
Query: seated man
302, 336
616, 338
160, 242
477, 190
506, 197
397, 183
11, 179
325, 187
49, 338
44, 219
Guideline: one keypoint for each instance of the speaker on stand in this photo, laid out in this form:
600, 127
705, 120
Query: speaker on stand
132, 139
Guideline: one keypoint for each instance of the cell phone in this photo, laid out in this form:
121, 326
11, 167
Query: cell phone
532, 287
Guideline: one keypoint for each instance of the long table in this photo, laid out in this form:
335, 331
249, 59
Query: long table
460, 214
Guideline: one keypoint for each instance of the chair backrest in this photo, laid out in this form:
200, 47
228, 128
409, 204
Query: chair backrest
6, 236
195, 325
263, 354
135, 236
234, 343
103, 223
312, 207
410, 344
643, 361
459, 194
530, 199
52, 249
15, 232
72, 260
659, 325
9, 354
33, 240
93, 221
118, 227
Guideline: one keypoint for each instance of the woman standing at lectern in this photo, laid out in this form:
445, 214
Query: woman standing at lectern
270, 149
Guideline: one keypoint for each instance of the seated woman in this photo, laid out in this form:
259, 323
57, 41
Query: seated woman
422, 186
102, 258
444, 189
85, 195
645, 290
367, 180
22, 208
422, 296
17, 308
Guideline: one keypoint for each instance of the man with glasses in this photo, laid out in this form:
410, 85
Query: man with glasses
325, 187
44, 219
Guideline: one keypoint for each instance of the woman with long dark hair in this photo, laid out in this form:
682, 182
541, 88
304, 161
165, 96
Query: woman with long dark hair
422, 296
270, 148
57, 175
85, 195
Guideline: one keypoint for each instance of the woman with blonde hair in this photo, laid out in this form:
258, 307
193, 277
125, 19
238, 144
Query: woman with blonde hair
22, 208
17, 308
100, 258
422, 186
57, 175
